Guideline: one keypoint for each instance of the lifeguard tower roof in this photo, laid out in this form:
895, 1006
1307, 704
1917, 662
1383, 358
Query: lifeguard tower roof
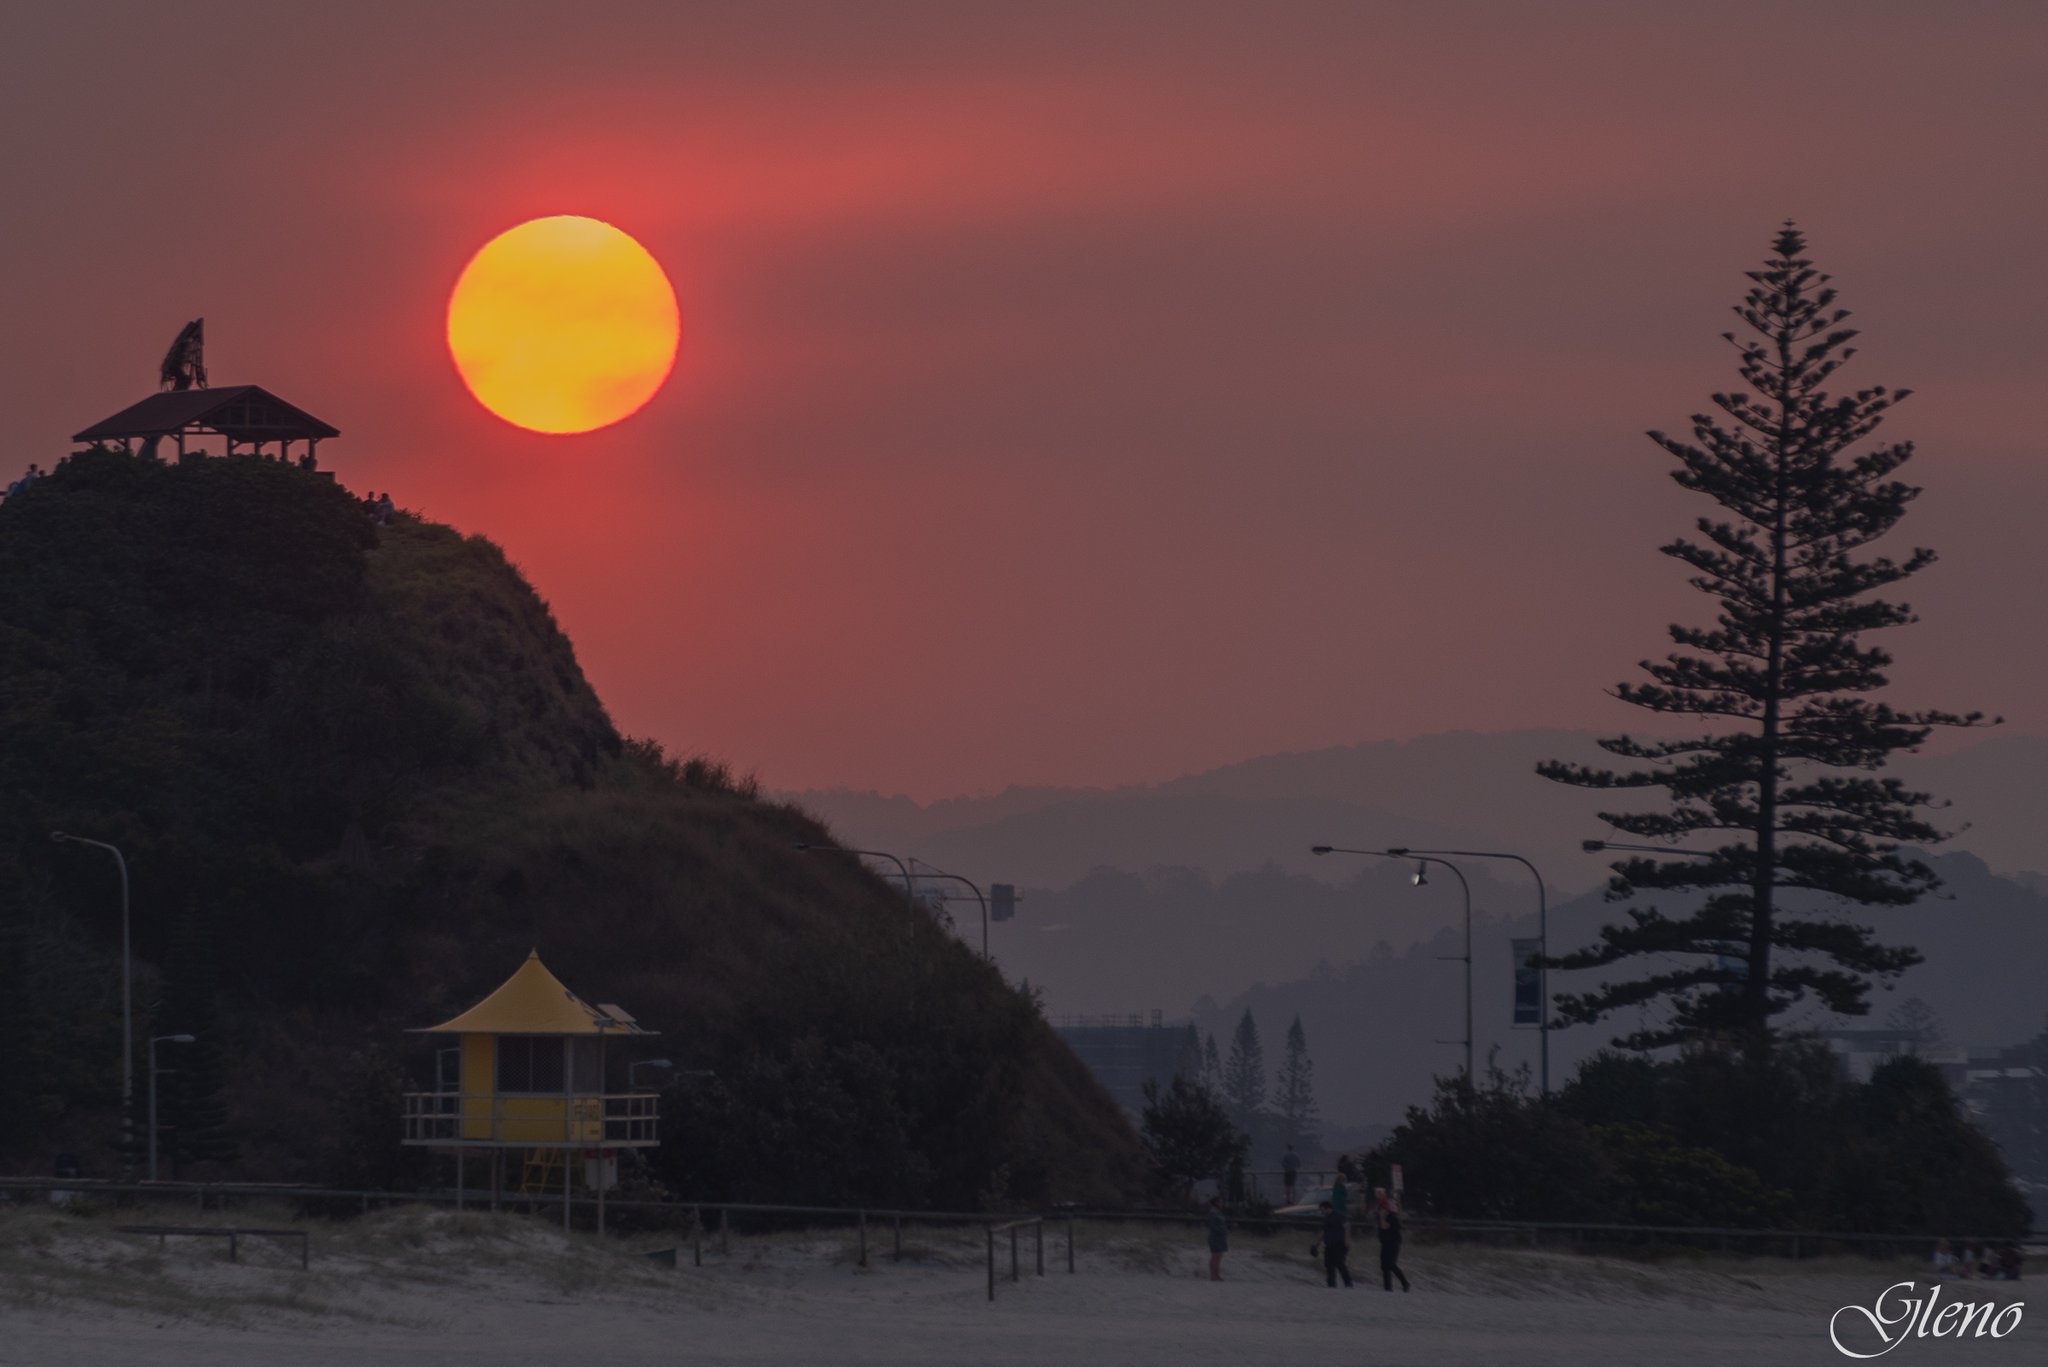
533, 1002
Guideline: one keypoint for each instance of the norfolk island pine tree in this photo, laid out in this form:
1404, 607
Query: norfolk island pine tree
1785, 774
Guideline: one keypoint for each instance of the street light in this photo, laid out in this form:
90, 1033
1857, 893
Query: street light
127, 995
153, 1071
632, 1082
871, 854
1542, 940
937, 873
1596, 846
1420, 879
910, 879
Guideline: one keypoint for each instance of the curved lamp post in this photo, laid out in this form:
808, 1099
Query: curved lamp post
871, 854
127, 977
633, 1082
1466, 888
1542, 938
910, 879
931, 872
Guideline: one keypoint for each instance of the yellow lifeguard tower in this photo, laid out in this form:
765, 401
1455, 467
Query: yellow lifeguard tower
532, 1077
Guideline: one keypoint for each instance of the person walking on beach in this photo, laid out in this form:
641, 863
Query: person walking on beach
1387, 1220
1336, 1246
1219, 1238
1290, 1168
1339, 1197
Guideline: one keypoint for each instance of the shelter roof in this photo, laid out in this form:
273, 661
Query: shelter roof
533, 1002
245, 412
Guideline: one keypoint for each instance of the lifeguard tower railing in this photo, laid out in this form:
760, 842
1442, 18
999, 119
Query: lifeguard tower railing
583, 1120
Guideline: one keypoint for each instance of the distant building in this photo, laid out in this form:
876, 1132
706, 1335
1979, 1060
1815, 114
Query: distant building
2006, 1091
1126, 1052
1860, 1051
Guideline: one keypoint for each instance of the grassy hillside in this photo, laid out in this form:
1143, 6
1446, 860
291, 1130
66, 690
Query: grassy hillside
357, 773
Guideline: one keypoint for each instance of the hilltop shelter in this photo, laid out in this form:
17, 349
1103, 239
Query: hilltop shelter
240, 414
530, 1065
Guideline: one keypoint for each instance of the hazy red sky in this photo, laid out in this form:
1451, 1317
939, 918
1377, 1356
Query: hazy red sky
1073, 394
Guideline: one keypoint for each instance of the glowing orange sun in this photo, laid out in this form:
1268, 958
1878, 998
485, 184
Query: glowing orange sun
563, 324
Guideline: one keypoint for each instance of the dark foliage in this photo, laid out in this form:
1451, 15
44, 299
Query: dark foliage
1489, 1150
1189, 1136
192, 1113
362, 765
1716, 1138
1783, 776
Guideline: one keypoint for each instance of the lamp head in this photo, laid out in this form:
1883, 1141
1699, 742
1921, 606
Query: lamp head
655, 1063
182, 1039
1313, 849
1420, 878
1592, 846
59, 837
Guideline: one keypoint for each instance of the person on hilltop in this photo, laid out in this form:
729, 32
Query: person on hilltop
1336, 1246
386, 509
1290, 1168
1219, 1238
1386, 1218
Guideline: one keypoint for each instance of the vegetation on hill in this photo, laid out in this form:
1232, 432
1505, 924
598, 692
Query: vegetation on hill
356, 773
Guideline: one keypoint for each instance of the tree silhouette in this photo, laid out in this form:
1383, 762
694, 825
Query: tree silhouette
1187, 1135
1296, 1102
1783, 773
1244, 1076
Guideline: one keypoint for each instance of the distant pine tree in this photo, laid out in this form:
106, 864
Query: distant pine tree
1244, 1077
1189, 1062
1296, 1102
1782, 683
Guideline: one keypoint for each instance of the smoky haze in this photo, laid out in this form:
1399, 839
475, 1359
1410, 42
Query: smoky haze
1070, 396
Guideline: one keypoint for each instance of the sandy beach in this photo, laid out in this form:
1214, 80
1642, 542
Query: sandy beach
415, 1287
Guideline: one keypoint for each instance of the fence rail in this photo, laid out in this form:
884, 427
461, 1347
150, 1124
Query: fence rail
1795, 1243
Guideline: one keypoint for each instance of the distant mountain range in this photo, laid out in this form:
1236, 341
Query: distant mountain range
1200, 897
1462, 789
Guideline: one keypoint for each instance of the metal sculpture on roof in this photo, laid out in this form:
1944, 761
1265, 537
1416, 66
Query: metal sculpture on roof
184, 364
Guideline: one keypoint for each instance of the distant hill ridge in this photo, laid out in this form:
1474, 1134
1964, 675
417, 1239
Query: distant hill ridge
1465, 789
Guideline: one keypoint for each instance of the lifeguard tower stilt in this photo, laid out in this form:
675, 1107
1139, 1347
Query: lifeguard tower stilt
533, 1064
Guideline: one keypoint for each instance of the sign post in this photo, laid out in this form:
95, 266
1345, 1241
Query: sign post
1528, 983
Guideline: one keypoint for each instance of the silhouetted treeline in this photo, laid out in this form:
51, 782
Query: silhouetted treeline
1713, 1138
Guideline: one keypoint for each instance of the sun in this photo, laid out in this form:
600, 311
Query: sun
563, 324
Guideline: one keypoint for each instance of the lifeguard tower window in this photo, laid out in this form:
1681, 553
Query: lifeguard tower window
533, 1064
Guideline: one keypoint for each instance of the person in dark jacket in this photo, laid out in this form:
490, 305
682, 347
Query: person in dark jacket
1290, 1169
1387, 1220
1219, 1238
1336, 1245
